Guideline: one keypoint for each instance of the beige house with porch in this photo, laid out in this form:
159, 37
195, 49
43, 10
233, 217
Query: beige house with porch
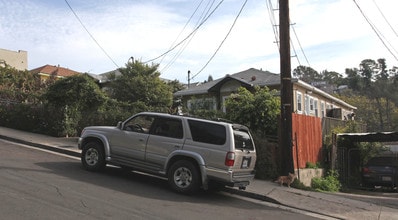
307, 99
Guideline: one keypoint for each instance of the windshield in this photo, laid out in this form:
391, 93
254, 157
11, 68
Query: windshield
243, 140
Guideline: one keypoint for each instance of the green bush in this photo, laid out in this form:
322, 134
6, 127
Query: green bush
329, 183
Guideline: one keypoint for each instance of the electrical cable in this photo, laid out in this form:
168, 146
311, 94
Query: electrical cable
222, 42
186, 24
375, 30
189, 35
273, 22
186, 43
301, 48
92, 37
382, 14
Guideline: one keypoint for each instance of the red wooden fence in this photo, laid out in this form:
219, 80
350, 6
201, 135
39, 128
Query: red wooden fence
307, 139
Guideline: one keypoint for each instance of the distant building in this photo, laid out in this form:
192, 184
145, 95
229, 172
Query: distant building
16, 59
56, 72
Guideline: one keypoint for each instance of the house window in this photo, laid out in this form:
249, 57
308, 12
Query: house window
307, 105
202, 104
311, 104
322, 109
299, 102
316, 107
224, 99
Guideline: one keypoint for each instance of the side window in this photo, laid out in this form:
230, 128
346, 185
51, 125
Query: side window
141, 124
168, 127
205, 132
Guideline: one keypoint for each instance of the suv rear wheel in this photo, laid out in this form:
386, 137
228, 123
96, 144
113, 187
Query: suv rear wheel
93, 157
183, 177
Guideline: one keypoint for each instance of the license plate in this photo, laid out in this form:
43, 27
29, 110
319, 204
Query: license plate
246, 162
386, 178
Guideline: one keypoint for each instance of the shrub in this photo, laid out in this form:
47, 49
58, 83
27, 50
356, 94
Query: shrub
329, 183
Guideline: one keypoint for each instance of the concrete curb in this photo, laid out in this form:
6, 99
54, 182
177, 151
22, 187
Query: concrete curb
42, 146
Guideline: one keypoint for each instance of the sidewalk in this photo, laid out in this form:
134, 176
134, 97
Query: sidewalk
330, 205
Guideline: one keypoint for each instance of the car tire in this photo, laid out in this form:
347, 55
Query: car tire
183, 177
93, 157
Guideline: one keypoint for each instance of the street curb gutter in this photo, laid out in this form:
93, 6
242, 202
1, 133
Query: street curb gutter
251, 195
42, 146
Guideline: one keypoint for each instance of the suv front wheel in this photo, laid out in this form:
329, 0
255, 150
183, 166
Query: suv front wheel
183, 177
93, 157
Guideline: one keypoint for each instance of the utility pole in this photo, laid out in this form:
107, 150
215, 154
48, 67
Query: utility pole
189, 77
285, 142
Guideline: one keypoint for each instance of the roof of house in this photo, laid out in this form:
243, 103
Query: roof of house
54, 71
254, 77
250, 77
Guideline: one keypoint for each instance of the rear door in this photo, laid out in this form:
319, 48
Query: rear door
245, 154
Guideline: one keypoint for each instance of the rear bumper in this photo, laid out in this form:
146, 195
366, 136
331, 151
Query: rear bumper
382, 180
231, 178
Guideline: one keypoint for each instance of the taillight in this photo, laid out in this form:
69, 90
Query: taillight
365, 170
230, 159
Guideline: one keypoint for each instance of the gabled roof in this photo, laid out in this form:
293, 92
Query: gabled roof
249, 77
254, 77
56, 71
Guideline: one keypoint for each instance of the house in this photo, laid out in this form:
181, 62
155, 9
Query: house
53, 72
16, 59
307, 99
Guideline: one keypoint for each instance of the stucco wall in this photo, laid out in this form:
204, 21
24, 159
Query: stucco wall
307, 174
17, 59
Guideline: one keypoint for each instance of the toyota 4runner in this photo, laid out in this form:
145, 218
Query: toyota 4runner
189, 152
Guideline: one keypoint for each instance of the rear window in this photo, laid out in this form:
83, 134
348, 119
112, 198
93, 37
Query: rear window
243, 140
209, 133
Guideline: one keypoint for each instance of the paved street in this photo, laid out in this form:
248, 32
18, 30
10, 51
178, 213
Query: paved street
41, 185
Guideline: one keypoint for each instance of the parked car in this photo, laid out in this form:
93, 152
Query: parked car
190, 152
381, 171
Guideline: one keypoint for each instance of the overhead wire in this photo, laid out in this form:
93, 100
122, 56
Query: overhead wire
377, 32
271, 13
188, 36
92, 37
186, 24
385, 19
186, 43
222, 42
301, 48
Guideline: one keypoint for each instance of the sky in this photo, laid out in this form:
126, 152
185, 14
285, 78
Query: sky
205, 37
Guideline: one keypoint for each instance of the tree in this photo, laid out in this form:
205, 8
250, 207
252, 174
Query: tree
19, 86
307, 74
332, 77
140, 83
259, 110
70, 99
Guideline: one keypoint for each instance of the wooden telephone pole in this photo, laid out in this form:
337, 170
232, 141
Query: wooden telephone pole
285, 142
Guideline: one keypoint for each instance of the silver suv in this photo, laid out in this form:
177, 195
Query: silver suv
190, 152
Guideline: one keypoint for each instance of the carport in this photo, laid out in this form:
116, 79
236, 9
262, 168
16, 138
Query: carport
346, 158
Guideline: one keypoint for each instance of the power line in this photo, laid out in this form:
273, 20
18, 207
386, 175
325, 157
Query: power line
92, 37
222, 42
382, 14
301, 48
375, 30
186, 43
189, 35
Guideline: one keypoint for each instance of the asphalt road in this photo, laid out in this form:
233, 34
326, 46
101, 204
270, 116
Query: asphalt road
41, 185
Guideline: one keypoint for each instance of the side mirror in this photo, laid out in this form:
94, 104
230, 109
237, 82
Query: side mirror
119, 125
